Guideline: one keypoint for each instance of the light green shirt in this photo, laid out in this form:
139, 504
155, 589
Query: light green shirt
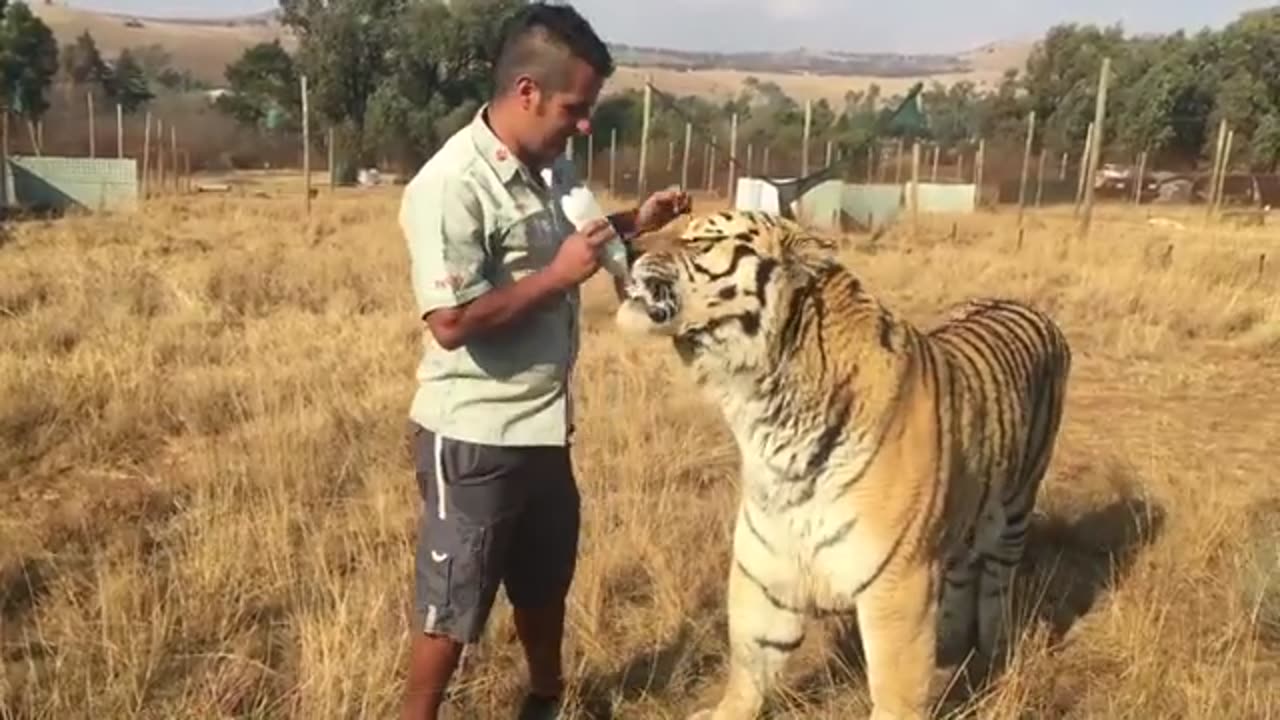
475, 219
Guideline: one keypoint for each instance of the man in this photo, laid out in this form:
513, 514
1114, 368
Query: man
496, 269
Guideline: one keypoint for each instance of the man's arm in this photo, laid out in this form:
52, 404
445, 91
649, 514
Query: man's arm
656, 211
454, 327
575, 261
443, 223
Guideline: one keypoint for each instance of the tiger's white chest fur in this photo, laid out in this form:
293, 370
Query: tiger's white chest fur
797, 524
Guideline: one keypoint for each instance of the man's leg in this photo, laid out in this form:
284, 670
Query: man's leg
540, 567
432, 660
541, 632
462, 544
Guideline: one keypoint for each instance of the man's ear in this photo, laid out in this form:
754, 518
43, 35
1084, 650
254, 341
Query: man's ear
527, 91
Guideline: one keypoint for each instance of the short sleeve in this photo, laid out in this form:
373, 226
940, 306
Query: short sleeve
443, 224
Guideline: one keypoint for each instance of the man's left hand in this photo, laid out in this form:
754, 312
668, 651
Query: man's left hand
661, 208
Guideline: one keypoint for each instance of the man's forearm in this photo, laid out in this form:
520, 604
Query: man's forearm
493, 310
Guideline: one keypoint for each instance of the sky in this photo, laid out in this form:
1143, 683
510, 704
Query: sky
912, 26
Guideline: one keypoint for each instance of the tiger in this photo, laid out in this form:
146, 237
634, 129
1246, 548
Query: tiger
886, 471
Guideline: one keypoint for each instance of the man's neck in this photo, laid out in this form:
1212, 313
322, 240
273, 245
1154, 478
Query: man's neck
496, 118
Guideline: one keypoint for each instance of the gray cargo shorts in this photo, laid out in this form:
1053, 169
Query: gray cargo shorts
490, 515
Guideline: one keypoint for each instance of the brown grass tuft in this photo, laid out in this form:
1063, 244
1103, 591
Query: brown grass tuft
208, 508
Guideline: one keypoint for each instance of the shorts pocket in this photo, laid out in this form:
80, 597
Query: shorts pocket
452, 567
437, 580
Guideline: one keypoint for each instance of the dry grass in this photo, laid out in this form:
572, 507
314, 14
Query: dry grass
207, 508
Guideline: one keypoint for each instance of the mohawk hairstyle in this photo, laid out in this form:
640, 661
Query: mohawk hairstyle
538, 40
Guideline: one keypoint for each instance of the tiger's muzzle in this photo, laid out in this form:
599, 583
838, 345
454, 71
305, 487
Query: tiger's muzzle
652, 303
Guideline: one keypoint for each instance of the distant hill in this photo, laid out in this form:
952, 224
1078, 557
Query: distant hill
204, 46
793, 61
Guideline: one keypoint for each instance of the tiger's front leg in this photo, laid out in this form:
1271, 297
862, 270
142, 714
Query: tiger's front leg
766, 624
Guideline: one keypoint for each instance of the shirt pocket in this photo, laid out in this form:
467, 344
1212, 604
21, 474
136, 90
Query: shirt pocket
527, 242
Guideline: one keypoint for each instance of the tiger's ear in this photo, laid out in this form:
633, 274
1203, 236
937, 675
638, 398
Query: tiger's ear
800, 245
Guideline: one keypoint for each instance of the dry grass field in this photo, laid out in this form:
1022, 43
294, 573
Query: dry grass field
207, 507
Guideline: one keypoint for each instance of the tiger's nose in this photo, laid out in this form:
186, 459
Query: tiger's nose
659, 313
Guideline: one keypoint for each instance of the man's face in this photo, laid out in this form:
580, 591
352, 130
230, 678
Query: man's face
551, 117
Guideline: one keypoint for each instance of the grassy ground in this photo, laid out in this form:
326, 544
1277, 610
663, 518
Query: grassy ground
207, 507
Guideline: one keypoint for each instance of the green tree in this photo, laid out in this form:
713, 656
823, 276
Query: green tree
439, 74
28, 60
264, 88
1061, 79
347, 50
128, 84
82, 63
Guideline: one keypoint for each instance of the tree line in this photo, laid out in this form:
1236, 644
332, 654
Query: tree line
394, 78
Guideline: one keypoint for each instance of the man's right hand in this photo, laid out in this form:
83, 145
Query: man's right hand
579, 255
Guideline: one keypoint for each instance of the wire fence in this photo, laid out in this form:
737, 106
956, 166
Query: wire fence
180, 136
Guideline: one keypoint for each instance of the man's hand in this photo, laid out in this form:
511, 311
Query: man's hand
579, 255
661, 208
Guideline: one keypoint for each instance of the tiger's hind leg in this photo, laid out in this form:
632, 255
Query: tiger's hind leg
1000, 555
1003, 544
958, 607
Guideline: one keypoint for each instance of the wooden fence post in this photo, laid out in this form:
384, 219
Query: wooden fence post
804, 139
306, 147
1026, 166
730, 184
93, 129
643, 174
146, 157
613, 161
1099, 138
684, 156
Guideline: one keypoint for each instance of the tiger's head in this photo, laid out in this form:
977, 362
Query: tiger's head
723, 286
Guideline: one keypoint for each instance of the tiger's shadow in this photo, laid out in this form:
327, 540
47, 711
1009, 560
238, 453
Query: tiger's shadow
678, 666
1069, 563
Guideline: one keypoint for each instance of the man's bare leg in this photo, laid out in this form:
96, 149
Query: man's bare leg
432, 660
541, 632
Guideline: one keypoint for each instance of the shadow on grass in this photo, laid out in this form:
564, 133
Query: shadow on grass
1069, 564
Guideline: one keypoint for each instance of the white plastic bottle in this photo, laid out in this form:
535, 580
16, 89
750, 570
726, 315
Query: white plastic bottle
580, 207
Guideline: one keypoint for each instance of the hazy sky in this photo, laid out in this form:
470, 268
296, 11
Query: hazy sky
878, 25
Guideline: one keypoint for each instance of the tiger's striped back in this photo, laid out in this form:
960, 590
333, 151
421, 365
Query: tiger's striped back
1008, 367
